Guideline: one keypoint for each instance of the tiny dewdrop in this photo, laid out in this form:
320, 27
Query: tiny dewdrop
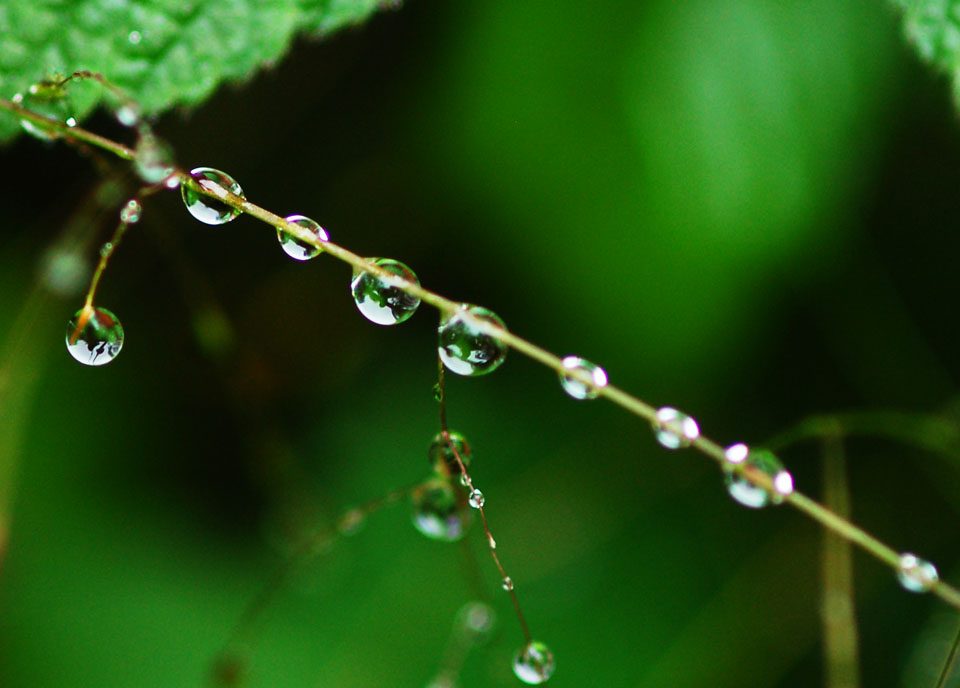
94, 336
464, 347
577, 368
533, 664
381, 300
673, 429
916, 574
296, 248
762, 461
209, 210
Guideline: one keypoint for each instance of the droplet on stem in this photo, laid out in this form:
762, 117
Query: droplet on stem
205, 208
467, 350
762, 461
534, 663
442, 458
438, 511
131, 211
381, 299
673, 429
94, 336
296, 248
916, 574
507, 583
50, 99
576, 387
476, 498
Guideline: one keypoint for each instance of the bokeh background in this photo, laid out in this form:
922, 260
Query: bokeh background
744, 209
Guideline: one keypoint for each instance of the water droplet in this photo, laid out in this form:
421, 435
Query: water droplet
437, 393
294, 247
464, 348
204, 208
756, 461
134, 37
130, 213
534, 663
64, 271
442, 458
476, 619
128, 115
351, 522
673, 429
94, 336
380, 299
464, 479
153, 159
47, 98
916, 574
476, 498
507, 584
438, 511
577, 388
491, 542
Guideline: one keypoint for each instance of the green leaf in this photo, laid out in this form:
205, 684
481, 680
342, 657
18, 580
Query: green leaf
163, 53
933, 28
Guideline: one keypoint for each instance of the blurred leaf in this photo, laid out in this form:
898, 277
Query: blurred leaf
162, 53
933, 28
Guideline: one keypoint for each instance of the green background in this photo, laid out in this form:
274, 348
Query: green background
740, 208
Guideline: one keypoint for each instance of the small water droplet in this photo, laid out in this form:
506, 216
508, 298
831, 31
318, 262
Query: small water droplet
204, 208
380, 299
476, 619
437, 393
153, 159
673, 429
916, 574
351, 522
507, 584
130, 213
128, 115
294, 247
464, 348
134, 37
491, 542
476, 498
438, 511
577, 388
464, 479
94, 336
534, 663
759, 461
47, 98
106, 249
442, 458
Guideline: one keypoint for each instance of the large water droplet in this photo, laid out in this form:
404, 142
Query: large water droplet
673, 429
438, 511
476, 499
294, 247
204, 208
48, 98
464, 348
577, 388
442, 458
534, 663
916, 574
94, 336
153, 159
380, 299
758, 461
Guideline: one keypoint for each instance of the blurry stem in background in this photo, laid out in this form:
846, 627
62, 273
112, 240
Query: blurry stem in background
840, 641
948, 664
632, 404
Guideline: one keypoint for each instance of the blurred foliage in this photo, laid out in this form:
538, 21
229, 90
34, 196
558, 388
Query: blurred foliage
741, 208
933, 28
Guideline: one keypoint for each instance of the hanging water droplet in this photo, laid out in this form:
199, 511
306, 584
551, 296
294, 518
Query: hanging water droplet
916, 574
47, 98
294, 247
507, 583
464, 348
476, 499
351, 522
673, 429
380, 299
755, 461
438, 511
94, 336
533, 663
130, 212
204, 208
442, 458
153, 161
577, 388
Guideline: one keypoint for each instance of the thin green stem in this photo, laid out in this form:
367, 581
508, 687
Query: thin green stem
951, 658
827, 518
